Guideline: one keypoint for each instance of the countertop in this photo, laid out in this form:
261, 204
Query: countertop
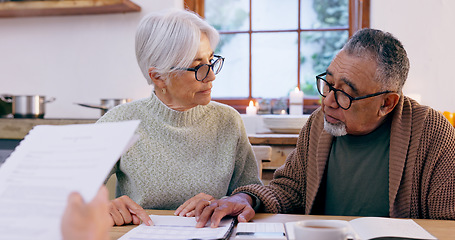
17, 128
273, 139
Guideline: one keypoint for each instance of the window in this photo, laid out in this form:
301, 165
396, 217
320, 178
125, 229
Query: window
273, 46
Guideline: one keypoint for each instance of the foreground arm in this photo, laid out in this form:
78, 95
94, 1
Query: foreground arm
90, 221
239, 205
124, 210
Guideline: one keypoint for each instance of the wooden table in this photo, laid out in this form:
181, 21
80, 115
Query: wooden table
441, 229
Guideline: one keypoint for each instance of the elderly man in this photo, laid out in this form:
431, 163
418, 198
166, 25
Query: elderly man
368, 151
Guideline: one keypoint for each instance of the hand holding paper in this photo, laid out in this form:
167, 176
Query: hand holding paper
87, 220
49, 164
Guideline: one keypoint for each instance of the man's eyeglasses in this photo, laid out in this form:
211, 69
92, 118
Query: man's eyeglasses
202, 71
343, 99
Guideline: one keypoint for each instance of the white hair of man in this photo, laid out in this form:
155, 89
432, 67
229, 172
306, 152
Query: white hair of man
387, 51
170, 40
335, 129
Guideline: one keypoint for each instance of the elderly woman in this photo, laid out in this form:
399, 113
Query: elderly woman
188, 144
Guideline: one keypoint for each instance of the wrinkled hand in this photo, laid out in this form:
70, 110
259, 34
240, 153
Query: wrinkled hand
89, 221
236, 205
124, 210
188, 207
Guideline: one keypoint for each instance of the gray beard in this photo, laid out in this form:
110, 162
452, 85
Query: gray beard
337, 130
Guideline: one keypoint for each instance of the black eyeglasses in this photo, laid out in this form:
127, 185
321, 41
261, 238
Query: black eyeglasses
202, 71
343, 99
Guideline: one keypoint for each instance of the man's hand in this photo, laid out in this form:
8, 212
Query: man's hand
86, 220
124, 210
239, 205
188, 207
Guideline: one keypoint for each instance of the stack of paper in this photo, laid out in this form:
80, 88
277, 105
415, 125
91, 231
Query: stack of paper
50, 163
175, 227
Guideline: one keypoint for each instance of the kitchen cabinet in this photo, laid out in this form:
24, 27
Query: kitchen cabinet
65, 7
282, 145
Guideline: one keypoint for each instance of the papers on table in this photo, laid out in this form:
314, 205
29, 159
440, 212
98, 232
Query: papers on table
175, 227
50, 163
265, 231
363, 228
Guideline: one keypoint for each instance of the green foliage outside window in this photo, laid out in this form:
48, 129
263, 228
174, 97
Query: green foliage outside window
330, 13
224, 17
227, 16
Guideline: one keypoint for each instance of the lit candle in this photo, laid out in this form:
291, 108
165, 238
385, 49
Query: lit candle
251, 109
283, 112
296, 102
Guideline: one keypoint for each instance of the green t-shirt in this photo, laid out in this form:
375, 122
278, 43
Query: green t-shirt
358, 174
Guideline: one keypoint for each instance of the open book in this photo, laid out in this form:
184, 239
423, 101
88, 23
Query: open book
175, 227
364, 228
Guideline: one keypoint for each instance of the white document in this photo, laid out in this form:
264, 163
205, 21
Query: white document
175, 227
260, 230
49, 164
378, 227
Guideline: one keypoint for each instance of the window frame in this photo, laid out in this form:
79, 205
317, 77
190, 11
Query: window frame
359, 17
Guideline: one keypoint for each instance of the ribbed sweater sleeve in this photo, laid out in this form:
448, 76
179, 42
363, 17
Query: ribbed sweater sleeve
287, 192
433, 186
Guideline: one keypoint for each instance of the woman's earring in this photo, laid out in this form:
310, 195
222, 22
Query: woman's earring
163, 90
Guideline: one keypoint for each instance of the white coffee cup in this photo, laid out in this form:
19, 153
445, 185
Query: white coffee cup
323, 230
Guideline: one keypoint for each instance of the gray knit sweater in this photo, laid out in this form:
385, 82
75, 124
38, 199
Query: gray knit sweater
180, 154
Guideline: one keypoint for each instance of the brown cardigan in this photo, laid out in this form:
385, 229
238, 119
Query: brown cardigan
421, 166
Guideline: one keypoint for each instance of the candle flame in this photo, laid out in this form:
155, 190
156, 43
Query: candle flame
251, 103
296, 89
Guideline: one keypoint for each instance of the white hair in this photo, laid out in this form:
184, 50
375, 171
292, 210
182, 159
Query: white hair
336, 130
170, 40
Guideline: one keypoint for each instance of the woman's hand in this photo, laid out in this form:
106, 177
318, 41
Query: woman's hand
89, 221
188, 207
124, 210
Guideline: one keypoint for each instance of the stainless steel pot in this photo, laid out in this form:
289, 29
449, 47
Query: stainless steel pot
106, 104
27, 106
5, 107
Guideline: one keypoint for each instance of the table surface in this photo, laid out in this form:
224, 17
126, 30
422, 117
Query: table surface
441, 229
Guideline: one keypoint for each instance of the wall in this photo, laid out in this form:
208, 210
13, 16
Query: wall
426, 30
76, 59
81, 59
